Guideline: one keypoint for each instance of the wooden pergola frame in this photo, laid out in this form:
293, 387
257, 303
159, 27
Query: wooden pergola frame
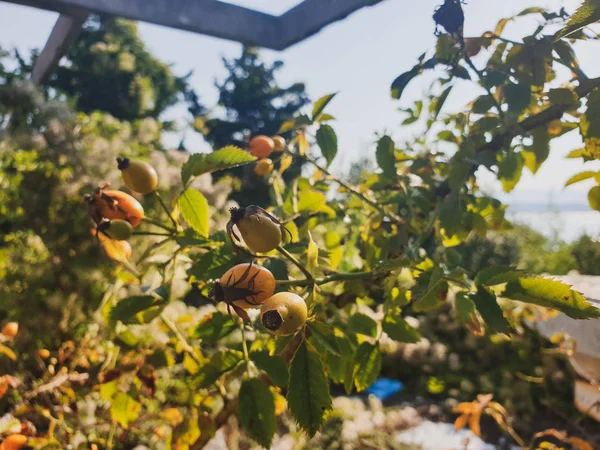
210, 17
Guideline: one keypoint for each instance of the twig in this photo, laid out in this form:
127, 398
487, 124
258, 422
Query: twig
164, 205
150, 233
221, 419
354, 191
158, 224
180, 337
329, 279
297, 263
56, 382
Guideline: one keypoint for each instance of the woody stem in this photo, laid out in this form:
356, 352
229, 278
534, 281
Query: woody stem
297, 263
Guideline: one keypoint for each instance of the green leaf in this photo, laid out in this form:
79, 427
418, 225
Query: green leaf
581, 176
367, 366
399, 330
224, 158
126, 309
215, 327
320, 105
464, 306
491, 276
540, 149
438, 103
446, 49
434, 292
124, 409
325, 336
386, 159
299, 122
327, 141
510, 169
400, 83
552, 294
308, 394
587, 14
215, 263
518, 97
273, 365
578, 153
194, 209
490, 311
257, 411
594, 198
563, 97
361, 324
220, 363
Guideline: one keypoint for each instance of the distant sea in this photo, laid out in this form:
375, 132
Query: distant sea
565, 221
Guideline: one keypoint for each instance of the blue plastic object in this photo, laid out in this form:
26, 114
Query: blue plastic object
384, 388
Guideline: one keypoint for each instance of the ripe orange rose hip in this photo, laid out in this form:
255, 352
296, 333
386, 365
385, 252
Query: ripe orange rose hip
264, 167
109, 204
284, 313
261, 146
244, 286
279, 143
11, 329
139, 176
14, 442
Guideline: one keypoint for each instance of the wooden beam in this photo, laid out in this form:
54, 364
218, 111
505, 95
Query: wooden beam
209, 17
310, 16
63, 34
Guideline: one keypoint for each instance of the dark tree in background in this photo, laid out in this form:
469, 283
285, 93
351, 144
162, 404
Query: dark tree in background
250, 103
109, 69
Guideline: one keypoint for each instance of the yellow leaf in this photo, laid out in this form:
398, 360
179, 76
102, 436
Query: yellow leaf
460, 422
8, 352
302, 143
285, 162
474, 423
312, 255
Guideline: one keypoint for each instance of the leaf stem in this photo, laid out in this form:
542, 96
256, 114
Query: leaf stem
245, 350
150, 233
180, 337
353, 190
158, 224
164, 205
297, 263
329, 279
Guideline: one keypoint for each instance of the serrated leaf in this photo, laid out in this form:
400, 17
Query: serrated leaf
126, 309
308, 394
552, 294
367, 365
361, 324
224, 158
510, 169
214, 263
438, 103
585, 15
518, 97
220, 363
325, 336
194, 209
594, 198
320, 105
399, 330
273, 365
257, 411
581, 176
124, 409
215, 327
491, 276
433, 294
490, 311
385, 155
327, 142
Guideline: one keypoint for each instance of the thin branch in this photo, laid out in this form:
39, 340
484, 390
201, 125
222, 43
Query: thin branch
180, 337
297, 263
164, 205
150, 233
353, 190
57, 382
330, 279
158, 224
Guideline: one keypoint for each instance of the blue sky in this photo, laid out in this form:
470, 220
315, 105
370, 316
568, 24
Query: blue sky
357, 57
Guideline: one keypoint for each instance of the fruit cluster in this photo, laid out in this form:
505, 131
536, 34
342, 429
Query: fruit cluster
116, 213
262, 147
